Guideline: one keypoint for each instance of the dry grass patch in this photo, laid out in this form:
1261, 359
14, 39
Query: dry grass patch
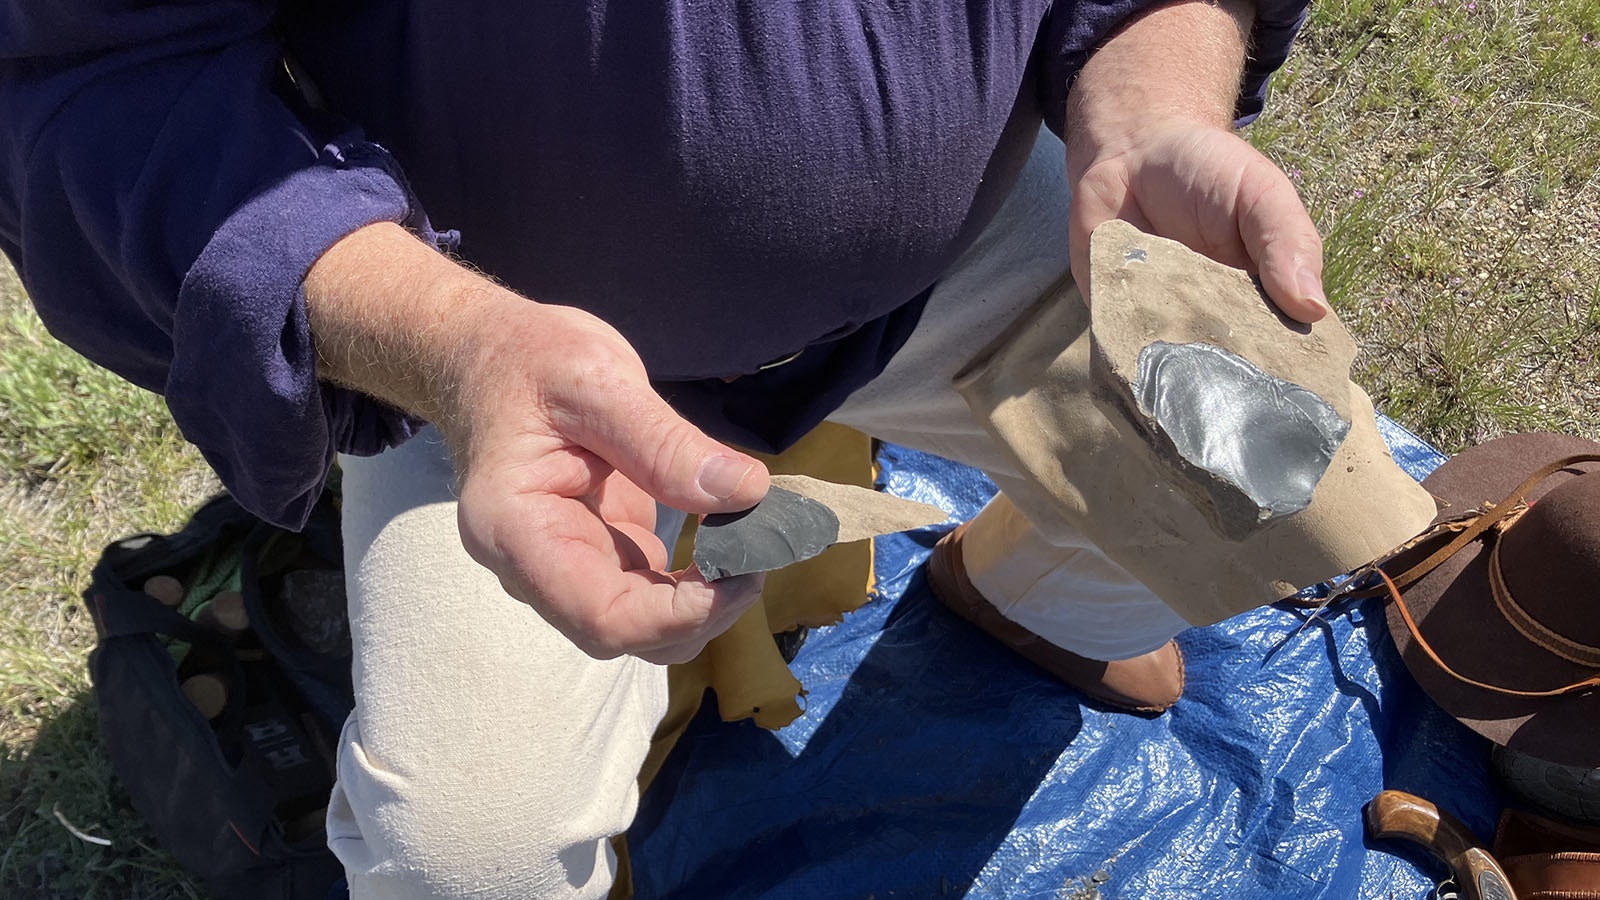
84, 459
1450, 150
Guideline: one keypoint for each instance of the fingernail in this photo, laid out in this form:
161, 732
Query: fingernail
1311, 288
720, 476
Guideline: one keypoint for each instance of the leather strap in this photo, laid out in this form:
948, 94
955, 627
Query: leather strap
1416, 634
1496, 518
1554, 876
1350, 589
1489, 516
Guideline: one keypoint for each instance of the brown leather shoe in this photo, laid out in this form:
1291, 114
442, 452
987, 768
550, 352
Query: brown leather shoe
1146, 684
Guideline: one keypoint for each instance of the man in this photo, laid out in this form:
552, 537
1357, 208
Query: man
768, 216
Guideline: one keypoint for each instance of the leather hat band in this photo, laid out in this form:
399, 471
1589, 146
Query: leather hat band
1493, 520
1531, 628
1416, 635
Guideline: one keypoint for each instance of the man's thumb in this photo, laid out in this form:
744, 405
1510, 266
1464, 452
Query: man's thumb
670, 459
1282, 240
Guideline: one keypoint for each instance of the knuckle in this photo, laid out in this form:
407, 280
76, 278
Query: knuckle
588, 631
596, 368
598, 386
673, 441
691, 610
598, 649
479, 536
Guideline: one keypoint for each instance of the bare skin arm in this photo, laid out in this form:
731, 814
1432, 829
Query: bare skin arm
1148, 140
562, 442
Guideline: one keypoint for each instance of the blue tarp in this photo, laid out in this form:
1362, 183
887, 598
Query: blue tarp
932, 762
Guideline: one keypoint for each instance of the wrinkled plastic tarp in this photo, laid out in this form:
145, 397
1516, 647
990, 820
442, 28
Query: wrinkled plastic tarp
932, 762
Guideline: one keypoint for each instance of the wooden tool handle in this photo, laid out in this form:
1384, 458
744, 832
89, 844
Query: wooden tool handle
208, 692
225, 614
1397, 814
165, 588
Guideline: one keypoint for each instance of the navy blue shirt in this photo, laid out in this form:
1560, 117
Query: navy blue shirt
725, 183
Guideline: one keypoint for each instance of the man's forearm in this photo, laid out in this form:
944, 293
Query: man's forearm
391, 317
1178, 61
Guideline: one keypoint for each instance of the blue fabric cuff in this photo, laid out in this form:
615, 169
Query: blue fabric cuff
243, 383
1277, 25
1078, 27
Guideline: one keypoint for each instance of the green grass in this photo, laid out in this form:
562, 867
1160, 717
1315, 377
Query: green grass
1450, 151
59, 411
86, 459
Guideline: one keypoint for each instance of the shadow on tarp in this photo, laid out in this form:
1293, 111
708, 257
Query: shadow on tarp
932, 762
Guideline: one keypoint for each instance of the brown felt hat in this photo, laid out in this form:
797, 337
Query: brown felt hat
1543, 632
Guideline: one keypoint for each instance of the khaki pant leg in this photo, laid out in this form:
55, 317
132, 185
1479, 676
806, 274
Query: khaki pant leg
487, 757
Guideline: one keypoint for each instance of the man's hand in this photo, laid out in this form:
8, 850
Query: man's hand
1148, 140
561, 439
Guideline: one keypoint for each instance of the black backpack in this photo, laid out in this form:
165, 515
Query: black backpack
221, 706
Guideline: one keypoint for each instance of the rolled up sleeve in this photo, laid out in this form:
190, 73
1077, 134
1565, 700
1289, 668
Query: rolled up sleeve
162, 195
1076, 28
1278, 22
